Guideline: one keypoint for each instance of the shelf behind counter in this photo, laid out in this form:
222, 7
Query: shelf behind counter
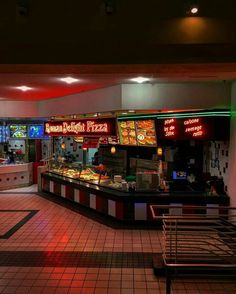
129, 207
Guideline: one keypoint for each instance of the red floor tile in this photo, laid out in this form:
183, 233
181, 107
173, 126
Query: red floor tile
56, 231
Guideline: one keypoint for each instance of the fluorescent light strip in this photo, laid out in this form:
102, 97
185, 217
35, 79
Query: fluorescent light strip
193, 115
196, 114
183, 115
136, 116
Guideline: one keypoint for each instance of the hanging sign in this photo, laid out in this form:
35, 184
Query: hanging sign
194, 128
83, 127
90, 143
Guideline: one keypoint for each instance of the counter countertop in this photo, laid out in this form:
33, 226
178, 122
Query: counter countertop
178, 195
13, 164
14, 168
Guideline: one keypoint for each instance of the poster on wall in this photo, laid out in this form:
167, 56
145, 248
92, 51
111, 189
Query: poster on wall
137, 133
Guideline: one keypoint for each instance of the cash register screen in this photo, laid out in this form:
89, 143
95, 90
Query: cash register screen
179, 175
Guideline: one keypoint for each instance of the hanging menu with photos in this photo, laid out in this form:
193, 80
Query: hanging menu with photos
137, 133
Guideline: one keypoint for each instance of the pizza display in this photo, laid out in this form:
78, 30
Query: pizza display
128, 133
138, 133
145, 124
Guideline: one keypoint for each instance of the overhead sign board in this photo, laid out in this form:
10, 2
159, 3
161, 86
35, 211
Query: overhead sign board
83, 127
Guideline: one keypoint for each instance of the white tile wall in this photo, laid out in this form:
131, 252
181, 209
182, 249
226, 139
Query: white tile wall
216, 159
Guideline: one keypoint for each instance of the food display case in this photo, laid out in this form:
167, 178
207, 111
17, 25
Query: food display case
101, 175
93, 174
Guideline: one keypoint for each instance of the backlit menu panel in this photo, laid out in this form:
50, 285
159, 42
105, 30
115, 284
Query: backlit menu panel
4, 134
194, 128
137, 133
18, 131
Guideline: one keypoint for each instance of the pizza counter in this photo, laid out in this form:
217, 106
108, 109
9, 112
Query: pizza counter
128, 207
120, 166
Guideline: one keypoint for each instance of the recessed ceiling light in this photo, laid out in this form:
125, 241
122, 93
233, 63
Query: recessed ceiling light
194, 10
24, 88
140, 80
69, 80
131, 111
192, 7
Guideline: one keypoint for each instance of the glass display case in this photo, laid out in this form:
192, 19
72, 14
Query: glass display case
93, 174
103, 176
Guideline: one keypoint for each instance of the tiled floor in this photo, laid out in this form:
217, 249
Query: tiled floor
10, 219
29, 189
61, 251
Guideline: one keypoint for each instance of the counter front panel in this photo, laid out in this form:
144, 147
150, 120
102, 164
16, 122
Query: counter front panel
124, 206
15, 175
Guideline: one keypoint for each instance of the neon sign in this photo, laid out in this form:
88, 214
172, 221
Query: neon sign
85, 127
193, 127
191, 121
169, 127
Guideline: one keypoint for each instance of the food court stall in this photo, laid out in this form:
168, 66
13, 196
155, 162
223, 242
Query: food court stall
22, 144
137, 165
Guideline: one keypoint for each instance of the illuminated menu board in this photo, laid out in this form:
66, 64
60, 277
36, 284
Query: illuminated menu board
18, 131
170, 128
137, 133
194, 128
4, 134
36, 132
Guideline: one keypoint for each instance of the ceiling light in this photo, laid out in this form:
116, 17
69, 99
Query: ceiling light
69, 80
140, 80
131, 111
194, 10
24, 88
124, 113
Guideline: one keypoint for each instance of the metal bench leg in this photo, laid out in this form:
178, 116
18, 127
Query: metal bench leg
168, 282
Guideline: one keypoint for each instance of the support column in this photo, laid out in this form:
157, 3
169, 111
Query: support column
232, 150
